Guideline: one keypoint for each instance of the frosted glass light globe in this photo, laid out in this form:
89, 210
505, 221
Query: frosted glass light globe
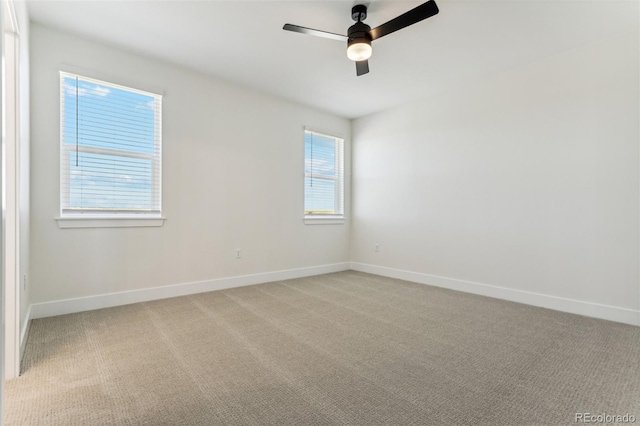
359, 51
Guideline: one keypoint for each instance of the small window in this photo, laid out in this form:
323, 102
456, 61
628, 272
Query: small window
323, 176
110, 149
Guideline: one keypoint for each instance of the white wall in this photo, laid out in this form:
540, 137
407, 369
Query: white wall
522, 185
527, 180
232, 178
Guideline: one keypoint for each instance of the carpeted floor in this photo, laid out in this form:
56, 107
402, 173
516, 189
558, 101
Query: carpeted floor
340, 349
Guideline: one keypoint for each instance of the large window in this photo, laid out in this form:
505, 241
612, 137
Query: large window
110, 149
323, 176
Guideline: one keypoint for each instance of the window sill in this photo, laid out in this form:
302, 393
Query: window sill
319, 220
108, 222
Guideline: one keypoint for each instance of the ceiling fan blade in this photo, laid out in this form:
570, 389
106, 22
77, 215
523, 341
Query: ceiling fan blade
317, 33
417, 14
362, 67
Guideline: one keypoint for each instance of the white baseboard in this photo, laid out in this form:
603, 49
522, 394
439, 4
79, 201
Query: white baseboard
68, 306
24, 334
611, 313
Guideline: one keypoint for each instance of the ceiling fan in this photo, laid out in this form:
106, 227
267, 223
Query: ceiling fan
360, 35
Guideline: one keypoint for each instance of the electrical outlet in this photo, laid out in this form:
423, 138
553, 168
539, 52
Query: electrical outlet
376, 247
238, 253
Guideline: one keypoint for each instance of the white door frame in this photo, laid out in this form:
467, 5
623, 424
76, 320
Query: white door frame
10, 195
2, 289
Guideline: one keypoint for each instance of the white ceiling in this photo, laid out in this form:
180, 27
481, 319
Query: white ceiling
243, 42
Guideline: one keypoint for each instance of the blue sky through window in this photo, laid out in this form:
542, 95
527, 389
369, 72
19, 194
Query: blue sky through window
321, 177
115, 132
100, 181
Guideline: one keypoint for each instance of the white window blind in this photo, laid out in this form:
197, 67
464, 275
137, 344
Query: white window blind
110, 149
323, 175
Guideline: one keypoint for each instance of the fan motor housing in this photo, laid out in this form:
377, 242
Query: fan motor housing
358, 33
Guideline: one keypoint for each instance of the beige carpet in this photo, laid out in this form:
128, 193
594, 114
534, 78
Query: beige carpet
340, 349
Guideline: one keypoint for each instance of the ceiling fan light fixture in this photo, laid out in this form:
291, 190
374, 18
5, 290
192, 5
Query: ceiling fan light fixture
359, 50
360, 35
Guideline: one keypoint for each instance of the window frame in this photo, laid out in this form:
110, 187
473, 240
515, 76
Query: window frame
339, 146
91, 218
